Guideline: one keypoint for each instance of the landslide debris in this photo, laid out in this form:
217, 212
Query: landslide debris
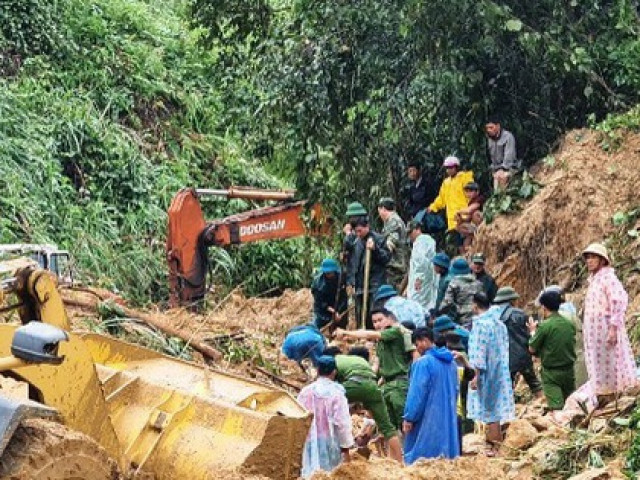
583, 187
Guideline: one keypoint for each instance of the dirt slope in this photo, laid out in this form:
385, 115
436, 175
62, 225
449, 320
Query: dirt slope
583, 187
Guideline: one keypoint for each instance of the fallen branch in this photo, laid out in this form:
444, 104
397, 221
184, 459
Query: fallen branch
161, 325
277, 378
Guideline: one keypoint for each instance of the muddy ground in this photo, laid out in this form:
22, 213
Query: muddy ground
582, 188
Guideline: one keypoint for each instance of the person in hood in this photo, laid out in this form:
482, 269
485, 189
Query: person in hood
329, 295
491, 395
430, 414
441, 264
423, 281
304, 341
458, 299
330, 435
404, 309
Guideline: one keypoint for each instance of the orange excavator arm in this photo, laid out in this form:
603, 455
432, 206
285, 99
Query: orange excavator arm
189, 235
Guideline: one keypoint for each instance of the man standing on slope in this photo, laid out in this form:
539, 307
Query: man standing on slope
330, 435
515, 319
380, 256
395, 234
452, 198
423, 281
491, 395
430, 414
608, 355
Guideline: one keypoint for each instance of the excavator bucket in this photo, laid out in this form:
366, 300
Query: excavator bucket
179, 420
152, 414
163, 418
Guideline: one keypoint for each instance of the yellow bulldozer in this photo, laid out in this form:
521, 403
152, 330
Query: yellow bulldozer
86, 406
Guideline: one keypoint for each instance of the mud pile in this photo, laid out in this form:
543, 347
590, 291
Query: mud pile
463, 467
583, 186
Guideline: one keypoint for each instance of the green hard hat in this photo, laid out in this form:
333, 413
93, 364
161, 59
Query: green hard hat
355, 209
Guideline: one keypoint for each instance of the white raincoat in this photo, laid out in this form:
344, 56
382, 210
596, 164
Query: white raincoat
421, 269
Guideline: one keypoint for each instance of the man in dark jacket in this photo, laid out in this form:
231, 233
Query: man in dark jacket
329, 295
380, 256
478, 269
441, 263
420, 192
520, 361
354, 211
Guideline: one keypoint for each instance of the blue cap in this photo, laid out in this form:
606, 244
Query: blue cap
441, 260
329, 265
459, 266
326, 364
385, 291
442, 323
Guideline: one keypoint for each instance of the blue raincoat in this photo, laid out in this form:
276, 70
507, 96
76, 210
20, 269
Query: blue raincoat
431, 407
304, 341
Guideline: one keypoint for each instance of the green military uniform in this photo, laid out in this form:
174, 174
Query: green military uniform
359, 381
393, 355
555, 343
395, 233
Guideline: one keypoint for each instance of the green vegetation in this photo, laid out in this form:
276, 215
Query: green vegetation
632, 465
108, 107
349, 92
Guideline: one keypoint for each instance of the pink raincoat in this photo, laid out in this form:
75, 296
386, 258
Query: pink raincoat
610, 369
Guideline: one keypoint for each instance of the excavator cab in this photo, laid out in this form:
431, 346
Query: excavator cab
49, 257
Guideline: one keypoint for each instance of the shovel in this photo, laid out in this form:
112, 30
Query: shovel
365, 293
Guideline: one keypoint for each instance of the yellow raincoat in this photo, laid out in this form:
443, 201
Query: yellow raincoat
451, 196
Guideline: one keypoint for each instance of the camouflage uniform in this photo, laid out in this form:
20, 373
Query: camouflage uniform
458, 298
394, 232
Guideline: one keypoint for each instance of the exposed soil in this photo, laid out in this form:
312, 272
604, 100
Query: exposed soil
583, 187
41, 449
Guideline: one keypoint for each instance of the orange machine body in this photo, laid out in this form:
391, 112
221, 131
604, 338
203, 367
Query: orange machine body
189, 235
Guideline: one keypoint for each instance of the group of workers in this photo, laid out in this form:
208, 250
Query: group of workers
449, 344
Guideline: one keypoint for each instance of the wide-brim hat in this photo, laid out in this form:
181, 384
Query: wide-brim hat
598, 249
329, 265
441, 260
442, 323
459, 266
355, 209
506, 294
478, 258
385, 291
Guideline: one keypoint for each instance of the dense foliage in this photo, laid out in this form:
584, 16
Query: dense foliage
350, 91
108, 107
